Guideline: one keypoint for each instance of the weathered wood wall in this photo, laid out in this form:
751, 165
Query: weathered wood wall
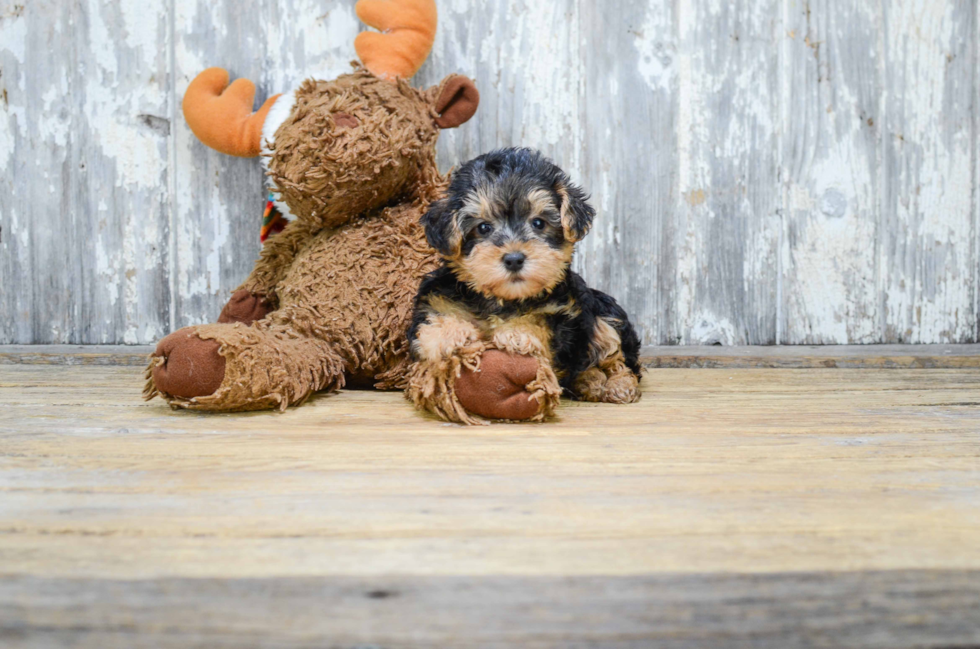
766, 171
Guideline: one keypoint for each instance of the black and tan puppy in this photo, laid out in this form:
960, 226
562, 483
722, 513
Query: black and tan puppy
505, 325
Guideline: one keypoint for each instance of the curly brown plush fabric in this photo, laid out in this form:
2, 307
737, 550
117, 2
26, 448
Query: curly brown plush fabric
328, 171
331, 296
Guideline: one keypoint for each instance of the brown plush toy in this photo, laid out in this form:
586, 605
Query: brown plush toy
352, 164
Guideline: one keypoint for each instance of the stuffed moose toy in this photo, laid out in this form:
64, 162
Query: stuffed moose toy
351, 163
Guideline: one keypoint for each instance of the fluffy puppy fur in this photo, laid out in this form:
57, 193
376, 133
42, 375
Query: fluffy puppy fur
506, 232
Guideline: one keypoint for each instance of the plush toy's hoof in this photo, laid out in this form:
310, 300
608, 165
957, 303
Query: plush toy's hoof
192, 367
245, 308
498, 391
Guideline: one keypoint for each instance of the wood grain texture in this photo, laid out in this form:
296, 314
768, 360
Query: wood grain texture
131, 355
765, 172
727, 470
886, 610
672, 356
803, 357
728, 508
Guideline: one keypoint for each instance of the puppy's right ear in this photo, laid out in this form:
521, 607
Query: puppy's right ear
441, 229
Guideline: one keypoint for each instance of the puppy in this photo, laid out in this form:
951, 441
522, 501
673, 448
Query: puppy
506, 296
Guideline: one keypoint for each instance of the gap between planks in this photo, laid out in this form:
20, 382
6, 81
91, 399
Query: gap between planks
785, 356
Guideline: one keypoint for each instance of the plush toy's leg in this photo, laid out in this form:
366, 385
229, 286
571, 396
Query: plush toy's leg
256, 297
498, 389
231, 367
245, 307
530, 340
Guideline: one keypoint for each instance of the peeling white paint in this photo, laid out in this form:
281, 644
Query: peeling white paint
219, 236
711, 329
142, 22
107, 267
929, 278
13, 42
13, 36
7, 143
656, 58
101, 42
827, 176
321, 47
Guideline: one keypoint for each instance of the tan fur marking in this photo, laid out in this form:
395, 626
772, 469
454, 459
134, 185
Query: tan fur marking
483, 269
444, 336
621, 387
455, 238
590, 384
478, 204
555, 308
432, 385
609, 380
444, 306
606, 345
541, 201
528, 334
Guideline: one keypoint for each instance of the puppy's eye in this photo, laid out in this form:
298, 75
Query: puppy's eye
484, 229
538, 224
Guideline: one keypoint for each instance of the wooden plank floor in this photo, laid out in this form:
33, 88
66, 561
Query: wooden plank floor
674, 356
730, 507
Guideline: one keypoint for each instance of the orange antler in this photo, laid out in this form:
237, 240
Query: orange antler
221, 115
409, 28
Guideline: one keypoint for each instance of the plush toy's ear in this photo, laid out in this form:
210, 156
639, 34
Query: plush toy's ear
441, 229
576, 213
456, 101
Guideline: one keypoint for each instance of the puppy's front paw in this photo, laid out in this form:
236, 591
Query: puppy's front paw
498, 390
622, 388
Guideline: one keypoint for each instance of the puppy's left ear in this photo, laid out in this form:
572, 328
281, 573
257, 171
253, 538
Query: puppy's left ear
455, 100
576, 213
441, 230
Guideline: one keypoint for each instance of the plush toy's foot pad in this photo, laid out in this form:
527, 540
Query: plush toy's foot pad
191, 367
498, 391
245, 307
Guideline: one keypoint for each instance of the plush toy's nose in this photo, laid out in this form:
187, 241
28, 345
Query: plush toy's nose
514, 261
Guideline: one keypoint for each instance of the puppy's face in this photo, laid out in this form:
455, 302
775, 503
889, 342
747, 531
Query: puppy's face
509, 224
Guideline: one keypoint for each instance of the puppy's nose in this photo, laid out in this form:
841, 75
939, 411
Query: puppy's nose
514, 261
